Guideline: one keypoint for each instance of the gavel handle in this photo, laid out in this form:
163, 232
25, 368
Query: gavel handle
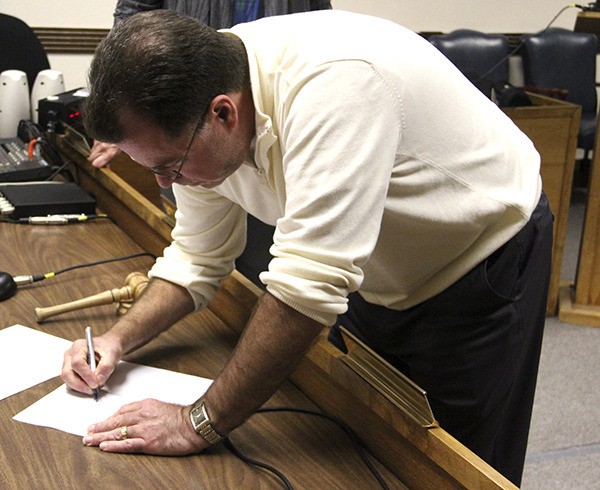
105, 298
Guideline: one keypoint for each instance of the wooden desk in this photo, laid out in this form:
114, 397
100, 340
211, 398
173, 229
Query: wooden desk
312, 453
552, 126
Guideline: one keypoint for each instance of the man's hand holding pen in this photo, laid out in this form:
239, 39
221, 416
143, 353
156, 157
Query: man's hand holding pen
76, 370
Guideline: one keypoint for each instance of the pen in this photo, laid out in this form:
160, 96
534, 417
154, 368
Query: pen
91, 355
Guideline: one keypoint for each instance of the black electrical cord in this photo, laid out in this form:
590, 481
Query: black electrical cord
55, 157
62, 169
349, 432
352, 436
47, 275
30, 132
259, 464
520, 44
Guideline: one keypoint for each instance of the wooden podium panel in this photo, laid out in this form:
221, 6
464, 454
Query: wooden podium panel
418, 456
587, 290
552, 125
580, 303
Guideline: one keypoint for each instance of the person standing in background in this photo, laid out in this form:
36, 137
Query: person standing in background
221, 14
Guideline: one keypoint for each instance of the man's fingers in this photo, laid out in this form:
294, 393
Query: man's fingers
76, 372
128, 446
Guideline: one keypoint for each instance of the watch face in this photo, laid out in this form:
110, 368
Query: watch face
198, 417
201, 423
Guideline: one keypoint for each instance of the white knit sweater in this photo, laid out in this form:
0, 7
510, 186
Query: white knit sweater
382, 167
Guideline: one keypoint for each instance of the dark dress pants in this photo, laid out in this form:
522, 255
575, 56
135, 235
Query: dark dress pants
475, 347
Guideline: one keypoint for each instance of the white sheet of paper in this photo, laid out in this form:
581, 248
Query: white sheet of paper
28, 357
72, 412
139, 382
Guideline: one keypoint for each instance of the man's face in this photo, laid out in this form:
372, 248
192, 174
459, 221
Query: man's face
203, 158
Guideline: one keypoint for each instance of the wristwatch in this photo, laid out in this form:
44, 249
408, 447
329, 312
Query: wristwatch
201, 423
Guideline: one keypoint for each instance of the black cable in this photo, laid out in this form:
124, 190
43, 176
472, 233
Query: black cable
349, 432
54, 155
51, 150
41, 277
105, 261
29, 131
61, 169
520, 44
252, 462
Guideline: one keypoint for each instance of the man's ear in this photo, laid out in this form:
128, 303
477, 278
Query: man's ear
223, 108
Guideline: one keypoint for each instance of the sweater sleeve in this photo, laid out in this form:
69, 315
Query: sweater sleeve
339, 140
210, 233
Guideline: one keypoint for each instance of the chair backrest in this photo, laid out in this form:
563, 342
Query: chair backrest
558, 58
481, 57
20, 49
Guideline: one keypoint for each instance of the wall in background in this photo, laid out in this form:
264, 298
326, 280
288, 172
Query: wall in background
64, 13
418, 15
61, 13
483, 15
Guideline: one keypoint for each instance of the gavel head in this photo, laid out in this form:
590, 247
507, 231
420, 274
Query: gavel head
137, 282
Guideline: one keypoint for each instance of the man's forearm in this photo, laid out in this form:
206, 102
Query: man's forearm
161, 305
275, 339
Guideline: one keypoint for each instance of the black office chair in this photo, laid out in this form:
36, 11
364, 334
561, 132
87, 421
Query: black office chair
560, 59
20, 49
481, 57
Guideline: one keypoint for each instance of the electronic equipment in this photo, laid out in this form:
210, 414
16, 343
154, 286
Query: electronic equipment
21, 200
590, 7
62, 108
14, 101
47, 83
17, 166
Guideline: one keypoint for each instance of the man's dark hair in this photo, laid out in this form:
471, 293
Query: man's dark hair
164, 67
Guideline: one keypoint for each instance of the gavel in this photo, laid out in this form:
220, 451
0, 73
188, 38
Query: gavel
135, 283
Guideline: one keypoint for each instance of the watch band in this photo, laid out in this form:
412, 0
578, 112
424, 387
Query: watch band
202, 425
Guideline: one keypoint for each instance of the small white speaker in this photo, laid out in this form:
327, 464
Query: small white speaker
47, 82
14, 101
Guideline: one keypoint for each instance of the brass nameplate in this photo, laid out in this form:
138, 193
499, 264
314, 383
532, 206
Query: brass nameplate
405, 394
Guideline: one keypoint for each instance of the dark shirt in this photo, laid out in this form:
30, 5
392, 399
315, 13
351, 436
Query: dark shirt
215, 13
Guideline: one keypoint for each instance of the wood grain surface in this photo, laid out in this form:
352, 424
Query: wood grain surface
311, 452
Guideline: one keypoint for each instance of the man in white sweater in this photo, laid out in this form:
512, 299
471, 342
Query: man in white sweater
406, 207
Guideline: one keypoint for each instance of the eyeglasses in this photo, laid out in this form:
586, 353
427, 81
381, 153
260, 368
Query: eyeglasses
168, 170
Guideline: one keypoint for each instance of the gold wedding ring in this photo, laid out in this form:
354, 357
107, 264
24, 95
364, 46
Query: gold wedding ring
123, 432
